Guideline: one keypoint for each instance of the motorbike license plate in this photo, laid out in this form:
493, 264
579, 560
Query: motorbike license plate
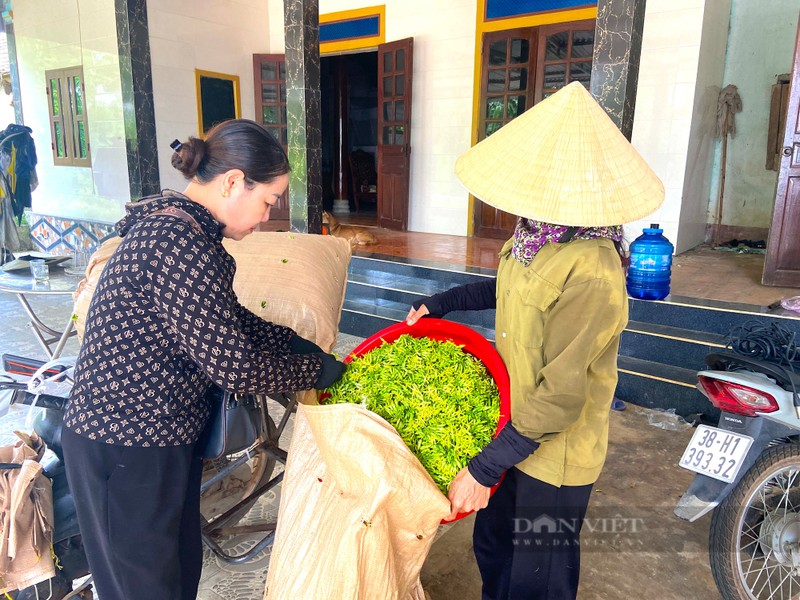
716, 453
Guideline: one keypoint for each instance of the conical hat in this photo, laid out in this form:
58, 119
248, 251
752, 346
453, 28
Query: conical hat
563, 161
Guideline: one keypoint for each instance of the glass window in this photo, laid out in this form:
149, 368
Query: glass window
269, 72
400, 60
497, 53
269, 115
282, 70
78, 95
387, 62
82, 144
388, 111
515, 106
388, 138
60, 151
556, 47
399, 134
580, 71
555, 76
269, 93
399, 85
492, 127
582, 44
517, 80
55, 99
520, 51
284, 136
399, 110
69, 126
283, 92
497, 81
494, 108
387, 87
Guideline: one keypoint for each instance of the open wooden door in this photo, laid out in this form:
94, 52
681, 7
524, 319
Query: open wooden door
782, 264
395, 72
269, 79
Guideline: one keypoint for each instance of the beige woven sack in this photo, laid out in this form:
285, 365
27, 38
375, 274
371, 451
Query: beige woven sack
358, 512
296, 280
293, 279
82, 296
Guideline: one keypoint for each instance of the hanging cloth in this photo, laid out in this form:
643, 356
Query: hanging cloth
17, 142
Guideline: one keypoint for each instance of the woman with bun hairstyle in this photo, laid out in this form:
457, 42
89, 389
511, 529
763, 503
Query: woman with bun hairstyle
163, 325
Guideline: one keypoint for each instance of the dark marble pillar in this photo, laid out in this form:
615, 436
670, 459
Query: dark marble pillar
301, 18
133, 42
615, 66
11, 42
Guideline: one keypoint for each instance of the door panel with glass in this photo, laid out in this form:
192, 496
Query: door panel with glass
518, 68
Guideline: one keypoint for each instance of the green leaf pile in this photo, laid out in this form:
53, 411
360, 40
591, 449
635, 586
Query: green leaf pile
442, 401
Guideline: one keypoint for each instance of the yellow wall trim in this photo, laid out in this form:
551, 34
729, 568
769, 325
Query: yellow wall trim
237, 96
360, 43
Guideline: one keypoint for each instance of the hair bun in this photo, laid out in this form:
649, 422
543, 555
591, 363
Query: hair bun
188, 156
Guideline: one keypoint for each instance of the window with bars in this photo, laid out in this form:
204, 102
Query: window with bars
69, 129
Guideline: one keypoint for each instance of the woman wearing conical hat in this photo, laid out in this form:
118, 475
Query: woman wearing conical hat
573, 179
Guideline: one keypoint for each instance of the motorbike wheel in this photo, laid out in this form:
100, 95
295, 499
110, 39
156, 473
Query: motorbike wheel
754, 541
61, 586
235, 488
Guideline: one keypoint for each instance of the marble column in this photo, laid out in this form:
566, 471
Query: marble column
615, 66
133, 44
303, 109
11, 44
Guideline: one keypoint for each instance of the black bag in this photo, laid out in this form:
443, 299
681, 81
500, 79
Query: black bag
235, 424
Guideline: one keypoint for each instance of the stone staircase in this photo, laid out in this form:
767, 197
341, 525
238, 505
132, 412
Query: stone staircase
661, 350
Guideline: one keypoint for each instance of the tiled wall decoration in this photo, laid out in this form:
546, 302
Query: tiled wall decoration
61, 236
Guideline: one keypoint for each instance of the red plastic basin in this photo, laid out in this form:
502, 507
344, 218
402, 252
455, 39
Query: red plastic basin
472, 342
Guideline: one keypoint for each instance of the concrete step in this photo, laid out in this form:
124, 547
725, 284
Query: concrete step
657, 385
674, 346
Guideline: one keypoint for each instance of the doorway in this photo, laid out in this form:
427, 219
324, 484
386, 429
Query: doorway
349, 101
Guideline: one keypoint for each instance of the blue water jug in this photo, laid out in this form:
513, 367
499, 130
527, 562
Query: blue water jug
650, 265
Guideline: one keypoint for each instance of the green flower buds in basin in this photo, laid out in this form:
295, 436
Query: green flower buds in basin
441, 400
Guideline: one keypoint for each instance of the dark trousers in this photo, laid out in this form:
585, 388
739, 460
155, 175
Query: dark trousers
527, 541
139, 517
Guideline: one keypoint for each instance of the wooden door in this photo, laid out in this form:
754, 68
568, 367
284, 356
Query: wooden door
519, 68
269, 79
507, 78
395, 72
782, 264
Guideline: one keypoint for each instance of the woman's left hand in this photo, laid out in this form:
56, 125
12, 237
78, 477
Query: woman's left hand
466, 494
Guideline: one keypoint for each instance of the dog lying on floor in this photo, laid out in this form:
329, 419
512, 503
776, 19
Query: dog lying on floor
357, 236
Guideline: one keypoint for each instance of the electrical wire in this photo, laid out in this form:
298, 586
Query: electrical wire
772, 343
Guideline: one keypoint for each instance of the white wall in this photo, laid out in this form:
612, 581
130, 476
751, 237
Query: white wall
200, 34
665, 101
53, 34
761, 46
442, 99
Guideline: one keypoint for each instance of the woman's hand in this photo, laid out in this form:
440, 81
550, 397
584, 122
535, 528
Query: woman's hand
415, 314
466, 494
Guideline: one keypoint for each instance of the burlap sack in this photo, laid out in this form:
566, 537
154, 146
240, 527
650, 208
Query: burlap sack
26, 516
82, 296
292, 279
358, 512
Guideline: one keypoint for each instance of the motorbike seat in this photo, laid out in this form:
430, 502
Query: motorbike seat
730, 361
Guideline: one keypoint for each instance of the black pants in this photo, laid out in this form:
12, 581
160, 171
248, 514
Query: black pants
139, 517
527, 541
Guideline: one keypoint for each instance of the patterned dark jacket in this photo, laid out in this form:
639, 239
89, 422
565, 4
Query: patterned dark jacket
164, 323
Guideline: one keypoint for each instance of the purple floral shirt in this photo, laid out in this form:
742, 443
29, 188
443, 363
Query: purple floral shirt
530, 236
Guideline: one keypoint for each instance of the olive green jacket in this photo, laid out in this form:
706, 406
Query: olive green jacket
558, 326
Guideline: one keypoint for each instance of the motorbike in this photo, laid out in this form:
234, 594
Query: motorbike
231, 485
748, 476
